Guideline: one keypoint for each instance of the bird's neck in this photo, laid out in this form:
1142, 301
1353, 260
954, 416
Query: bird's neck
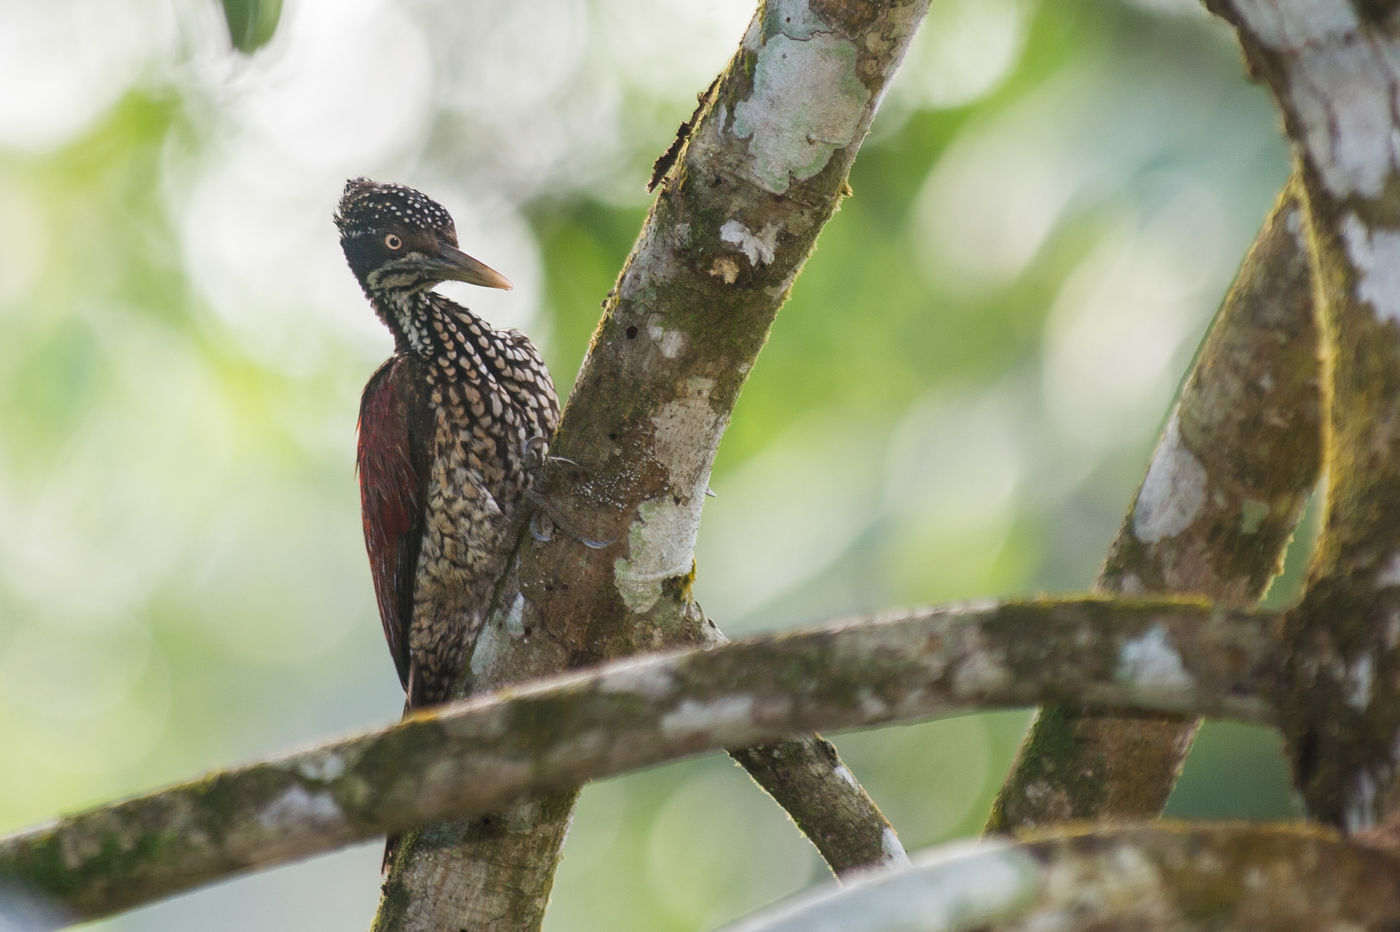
423, 322
433, 327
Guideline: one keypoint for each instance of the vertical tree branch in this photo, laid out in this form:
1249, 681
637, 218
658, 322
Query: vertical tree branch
1334, 68
760, 173
1227, 484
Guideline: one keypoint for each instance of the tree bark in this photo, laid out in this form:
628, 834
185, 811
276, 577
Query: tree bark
1334, 69
1144, 878
1227, 484
526, 746
743, 196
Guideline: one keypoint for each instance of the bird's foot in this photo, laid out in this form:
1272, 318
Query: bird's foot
537, 455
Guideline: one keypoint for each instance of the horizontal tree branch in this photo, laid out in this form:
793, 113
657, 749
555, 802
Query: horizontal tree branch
484, 754
1235, 876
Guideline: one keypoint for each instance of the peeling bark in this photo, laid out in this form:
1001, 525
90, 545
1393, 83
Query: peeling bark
1225, 489
527, 746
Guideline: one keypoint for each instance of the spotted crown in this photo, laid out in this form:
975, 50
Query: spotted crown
368, 207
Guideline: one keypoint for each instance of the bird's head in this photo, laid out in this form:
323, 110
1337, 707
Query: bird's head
399, 240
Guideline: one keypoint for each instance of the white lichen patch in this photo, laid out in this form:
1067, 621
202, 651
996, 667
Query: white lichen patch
845, 774
515, 618
1361, 675
648, 677
872, 707
1150, 666
1293, 223
491, 643
1342, 91
1389, 573
322, 767
661, 540
299, 806
1360, 811
1375, 255
1287, 25
1173, 492
691, 717
758, 247
795, 19
1132, 584
955, 883
979, 674
807, 102
892, 848
670, 342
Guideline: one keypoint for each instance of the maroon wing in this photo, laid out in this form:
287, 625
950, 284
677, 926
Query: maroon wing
392, 461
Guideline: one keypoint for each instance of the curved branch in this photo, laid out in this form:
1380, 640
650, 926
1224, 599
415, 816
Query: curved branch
483, 754
1158, 877
743, 198
1224, 492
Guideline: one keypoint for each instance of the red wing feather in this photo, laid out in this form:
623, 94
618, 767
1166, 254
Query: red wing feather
395, 431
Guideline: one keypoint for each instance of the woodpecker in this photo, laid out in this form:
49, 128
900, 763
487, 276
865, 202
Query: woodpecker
449, 432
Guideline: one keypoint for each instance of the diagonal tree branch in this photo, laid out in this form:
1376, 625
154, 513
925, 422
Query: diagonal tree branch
1334, 69
1225, 490
1137, 877
748, 190
483, 754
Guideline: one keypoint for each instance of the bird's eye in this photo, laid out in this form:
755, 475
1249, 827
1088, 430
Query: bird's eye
392, 241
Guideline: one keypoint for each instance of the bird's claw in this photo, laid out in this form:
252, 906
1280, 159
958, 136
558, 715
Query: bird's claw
539, 534
548, 509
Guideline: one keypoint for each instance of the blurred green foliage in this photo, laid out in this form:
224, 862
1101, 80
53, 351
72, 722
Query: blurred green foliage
251, 23
958, 401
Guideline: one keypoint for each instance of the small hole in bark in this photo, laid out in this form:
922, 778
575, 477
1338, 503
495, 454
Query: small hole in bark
631, 333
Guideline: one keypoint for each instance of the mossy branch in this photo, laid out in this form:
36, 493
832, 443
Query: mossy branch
494, 751
1136, 877
1225, 490
1334, 70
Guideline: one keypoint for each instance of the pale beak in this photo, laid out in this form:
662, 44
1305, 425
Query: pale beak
451, 264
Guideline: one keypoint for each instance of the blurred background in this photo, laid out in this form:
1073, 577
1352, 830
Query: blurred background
958, 401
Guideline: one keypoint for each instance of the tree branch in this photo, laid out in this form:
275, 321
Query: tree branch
1139, 877
1225, 490
528, 742
761, 171
1334, 69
